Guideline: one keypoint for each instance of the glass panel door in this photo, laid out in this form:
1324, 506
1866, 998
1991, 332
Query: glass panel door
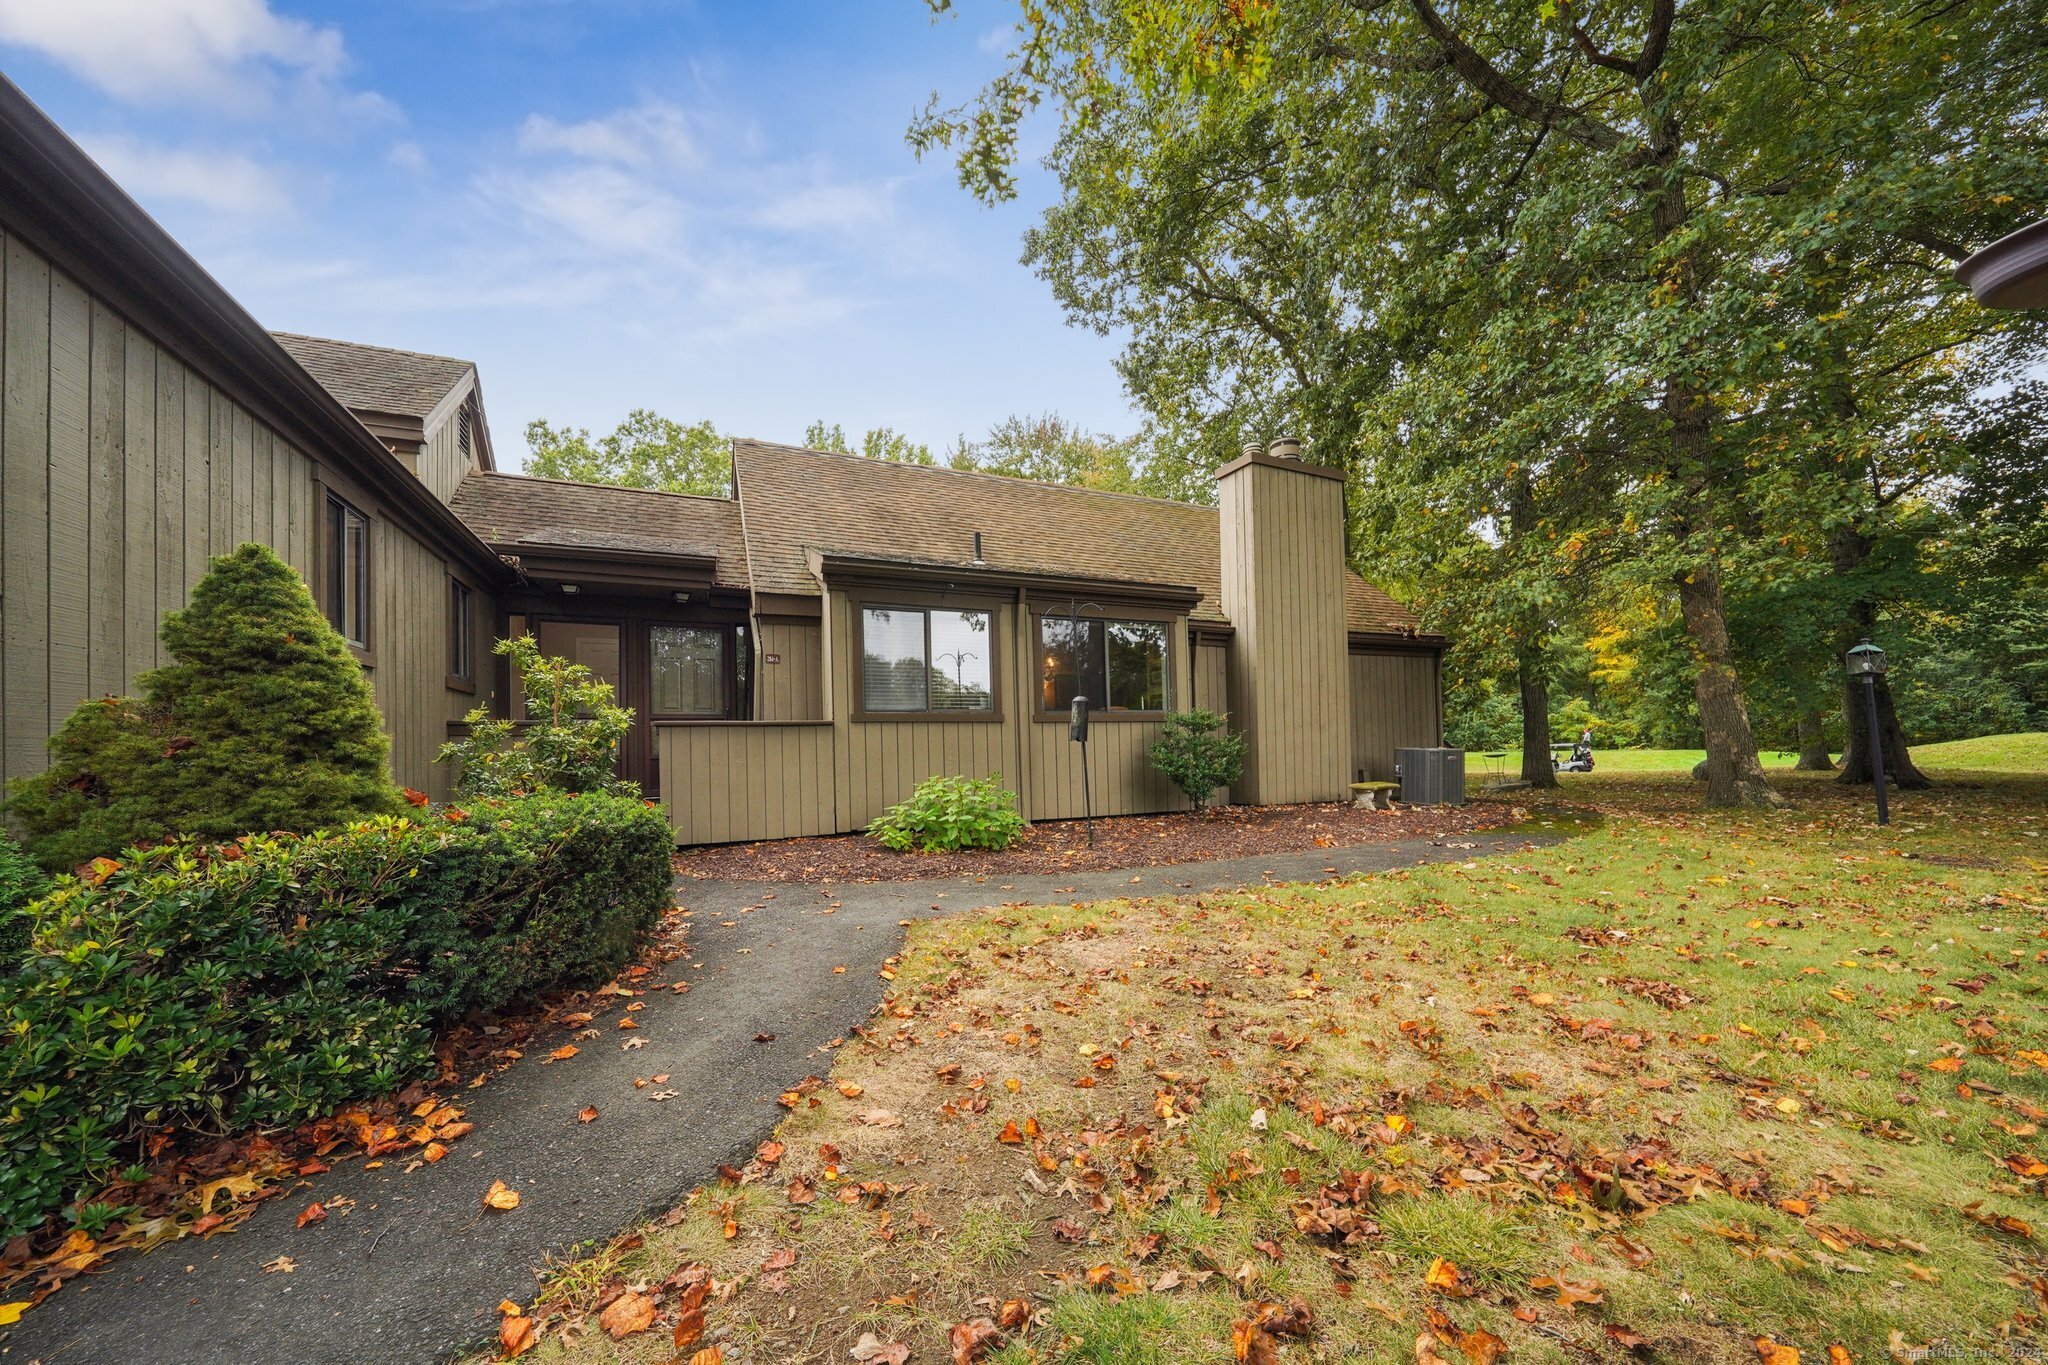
689, 670
594, 644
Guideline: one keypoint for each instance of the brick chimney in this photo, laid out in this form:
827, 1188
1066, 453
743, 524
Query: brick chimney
1283, 589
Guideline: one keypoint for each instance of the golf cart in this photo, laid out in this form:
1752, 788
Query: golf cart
1573, 758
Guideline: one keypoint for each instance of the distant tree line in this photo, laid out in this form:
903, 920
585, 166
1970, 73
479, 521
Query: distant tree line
647, 450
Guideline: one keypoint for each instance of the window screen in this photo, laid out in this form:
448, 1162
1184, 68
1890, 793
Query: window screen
1117, 665
916, 659
348, 572
461, 633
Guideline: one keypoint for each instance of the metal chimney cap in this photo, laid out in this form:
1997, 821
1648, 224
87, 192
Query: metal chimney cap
1284, 448
1253, 449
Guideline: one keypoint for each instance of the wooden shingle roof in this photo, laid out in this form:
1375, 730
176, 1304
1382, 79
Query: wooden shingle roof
795, 502
377, 378
513, 510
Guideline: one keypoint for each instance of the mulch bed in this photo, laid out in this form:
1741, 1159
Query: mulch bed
1122, 841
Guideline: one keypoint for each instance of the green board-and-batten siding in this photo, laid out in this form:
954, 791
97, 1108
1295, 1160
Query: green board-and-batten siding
1282, 525
790, 682
122, 471
1394, 705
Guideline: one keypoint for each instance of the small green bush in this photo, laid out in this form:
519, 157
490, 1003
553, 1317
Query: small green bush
946, 814
1197, 754
21, 881
263, 721
269, 980
569, 743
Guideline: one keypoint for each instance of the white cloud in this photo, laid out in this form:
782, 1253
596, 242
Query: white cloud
225, 182
997, 40
832, 206
234, 53
651, 137
408, 156
600, 207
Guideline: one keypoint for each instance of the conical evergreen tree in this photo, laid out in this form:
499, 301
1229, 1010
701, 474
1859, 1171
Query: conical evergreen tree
263, 721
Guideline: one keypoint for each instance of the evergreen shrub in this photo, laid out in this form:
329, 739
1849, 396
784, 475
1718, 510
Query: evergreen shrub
569, 740
268, 980
263, 721
1198, 754
21, 881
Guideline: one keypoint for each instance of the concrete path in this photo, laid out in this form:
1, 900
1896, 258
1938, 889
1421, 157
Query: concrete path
414, 1271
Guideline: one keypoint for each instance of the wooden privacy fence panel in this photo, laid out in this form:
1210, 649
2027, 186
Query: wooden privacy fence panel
723, 782
1119, 767
882, 762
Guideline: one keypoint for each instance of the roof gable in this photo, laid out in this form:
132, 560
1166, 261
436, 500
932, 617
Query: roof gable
379, 378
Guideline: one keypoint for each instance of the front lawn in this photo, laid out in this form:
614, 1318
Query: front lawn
1684, 1087
2023, 753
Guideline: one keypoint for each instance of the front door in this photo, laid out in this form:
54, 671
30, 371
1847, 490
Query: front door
663, 668
600, 646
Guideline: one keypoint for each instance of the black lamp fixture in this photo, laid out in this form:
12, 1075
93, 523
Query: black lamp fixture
1866, 661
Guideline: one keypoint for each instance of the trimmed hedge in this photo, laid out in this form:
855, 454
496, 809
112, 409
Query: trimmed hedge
269, 980
21, 881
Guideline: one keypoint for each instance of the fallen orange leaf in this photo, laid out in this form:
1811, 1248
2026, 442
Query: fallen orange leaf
969, 1339
627, 1315
1445, 1278
517, 1336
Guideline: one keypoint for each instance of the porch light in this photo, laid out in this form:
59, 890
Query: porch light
1865, 661
571, 589
681, 598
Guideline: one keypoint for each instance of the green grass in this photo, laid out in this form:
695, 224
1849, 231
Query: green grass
1811, 1045
2026, 753
1480, 767
2023, 754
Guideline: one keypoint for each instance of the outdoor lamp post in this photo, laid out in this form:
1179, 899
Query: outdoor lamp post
1866, 661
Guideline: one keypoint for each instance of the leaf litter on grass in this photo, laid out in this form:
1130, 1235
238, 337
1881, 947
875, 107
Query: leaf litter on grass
1669, 1089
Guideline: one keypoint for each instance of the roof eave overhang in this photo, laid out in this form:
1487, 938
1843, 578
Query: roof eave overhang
2012, 272
390, 427
840, 570
611, 567
57, 199
1417, 642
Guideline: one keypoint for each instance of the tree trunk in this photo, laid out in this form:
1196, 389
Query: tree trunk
1529, 664
1735, 776
1536, 769
1813, 744
1898, 762
1847, 549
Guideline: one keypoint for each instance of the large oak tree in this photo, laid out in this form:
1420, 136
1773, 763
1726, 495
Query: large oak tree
1616, 258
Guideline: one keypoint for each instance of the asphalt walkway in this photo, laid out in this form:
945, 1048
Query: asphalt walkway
414, 1269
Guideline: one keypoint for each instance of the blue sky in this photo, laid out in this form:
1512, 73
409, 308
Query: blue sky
704, 208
